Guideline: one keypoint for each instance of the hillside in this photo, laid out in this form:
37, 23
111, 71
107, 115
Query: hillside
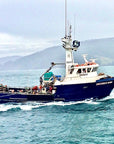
101, 49
9, 58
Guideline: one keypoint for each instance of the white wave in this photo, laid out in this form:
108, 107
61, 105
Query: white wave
7, 107
36, 105
108, 97
71, 103
25, 107
111, 96
28, 106
91, 102
32, 105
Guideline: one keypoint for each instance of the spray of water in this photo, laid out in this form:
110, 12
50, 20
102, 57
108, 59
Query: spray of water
28, 106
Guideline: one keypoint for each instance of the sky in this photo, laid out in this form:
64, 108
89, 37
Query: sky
27, 26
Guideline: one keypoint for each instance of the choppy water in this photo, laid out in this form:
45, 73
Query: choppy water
86, 122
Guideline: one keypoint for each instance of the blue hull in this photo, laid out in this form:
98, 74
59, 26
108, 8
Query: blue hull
79, 92
74, 92
9, 97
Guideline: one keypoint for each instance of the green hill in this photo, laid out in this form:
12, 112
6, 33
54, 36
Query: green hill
101, 49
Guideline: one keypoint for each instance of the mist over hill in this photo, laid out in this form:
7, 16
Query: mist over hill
8, 58
100, 49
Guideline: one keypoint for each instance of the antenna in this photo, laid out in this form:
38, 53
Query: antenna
65, 18
84, 56
74, 26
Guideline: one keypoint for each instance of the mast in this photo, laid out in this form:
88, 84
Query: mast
65, 18
68, 45
74, 25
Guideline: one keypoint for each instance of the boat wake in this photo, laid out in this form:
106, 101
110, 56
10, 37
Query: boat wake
108, 97
27, 106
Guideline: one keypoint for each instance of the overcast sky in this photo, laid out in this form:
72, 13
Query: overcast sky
27, 26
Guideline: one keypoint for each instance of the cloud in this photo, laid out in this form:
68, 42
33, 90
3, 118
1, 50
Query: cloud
27, 26
18, 45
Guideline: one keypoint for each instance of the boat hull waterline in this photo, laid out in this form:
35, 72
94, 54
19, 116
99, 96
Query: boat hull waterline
71, 92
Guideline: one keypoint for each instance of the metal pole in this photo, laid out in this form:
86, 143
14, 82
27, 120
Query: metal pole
74, 26
65, 18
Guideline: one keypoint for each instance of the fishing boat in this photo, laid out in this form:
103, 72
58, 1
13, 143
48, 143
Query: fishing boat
81, 81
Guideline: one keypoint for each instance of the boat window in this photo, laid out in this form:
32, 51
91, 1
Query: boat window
84, 70
72, 69
89, 69
94, 69
79, 71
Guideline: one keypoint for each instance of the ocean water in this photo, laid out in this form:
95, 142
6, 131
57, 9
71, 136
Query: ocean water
83, 122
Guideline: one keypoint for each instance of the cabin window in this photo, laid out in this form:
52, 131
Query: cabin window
71, 69
94, 69
89, 69
79, 71
84, 70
